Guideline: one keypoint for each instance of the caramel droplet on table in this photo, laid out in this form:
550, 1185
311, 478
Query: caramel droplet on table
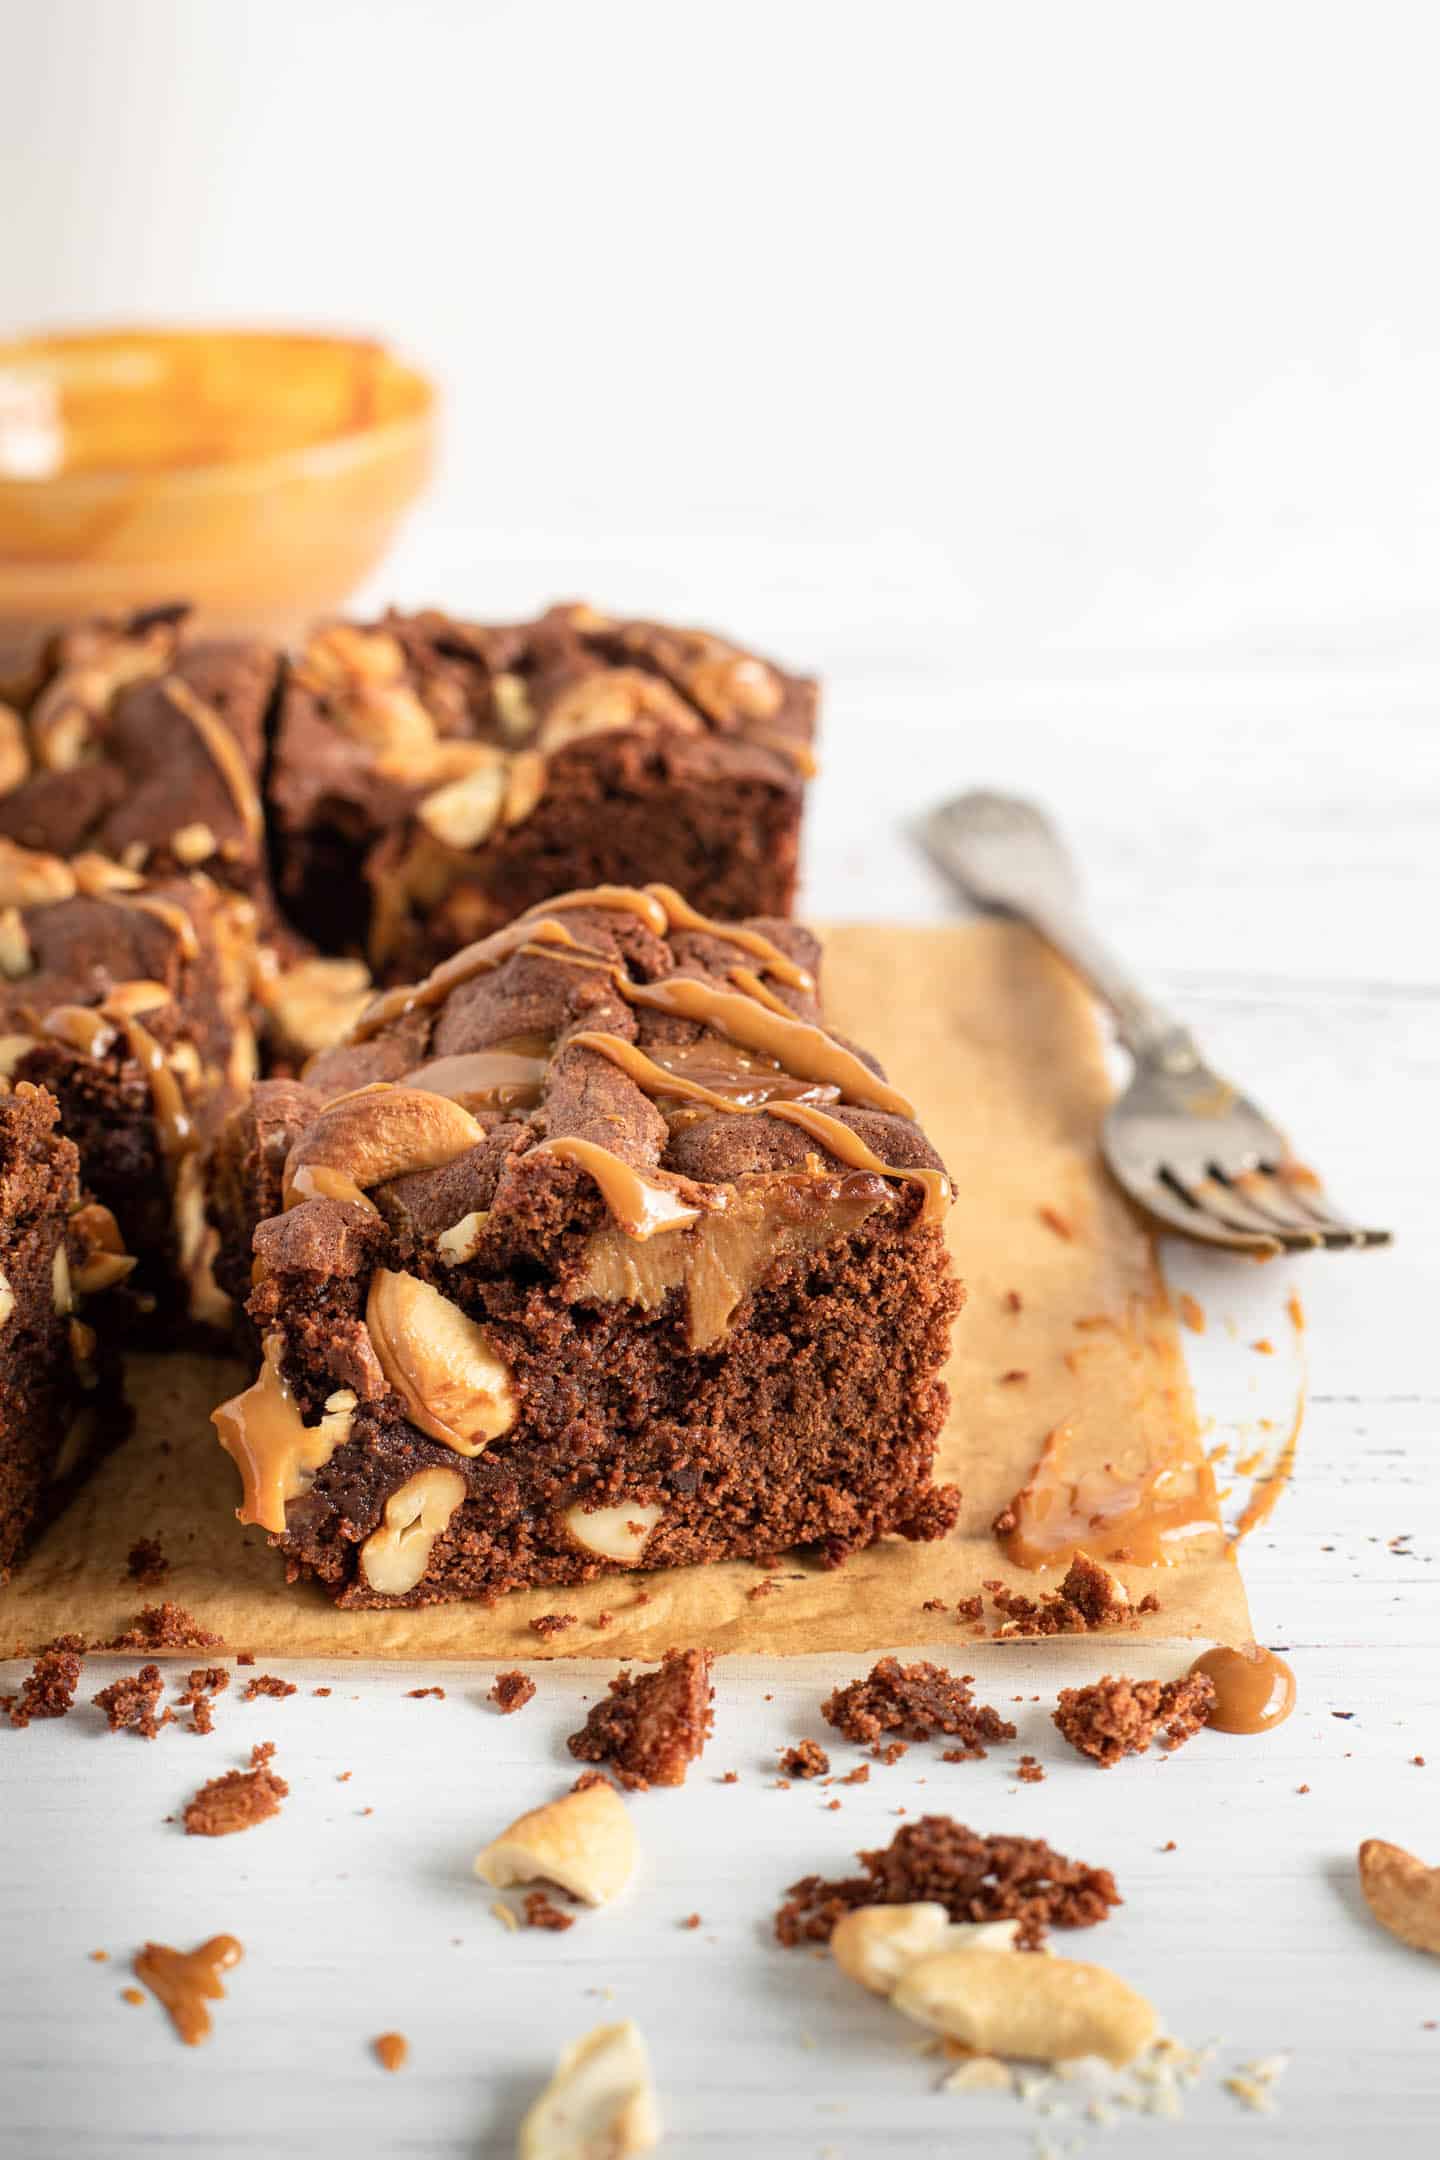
186, 1980
1254, 1689
392, 2051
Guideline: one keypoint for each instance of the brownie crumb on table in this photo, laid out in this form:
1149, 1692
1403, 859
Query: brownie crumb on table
860, 1775
542, 1912
651, 1726
237, 1799
166, 1627
130, 1704
547, 1624
48, 1689
587, 1778
1117, 1717
937, 1860
205, 1683
807, 1759
146, 1564
268, 1684
1089, 1597
914, 1701
419, 1694
1030, 1771
511, 1692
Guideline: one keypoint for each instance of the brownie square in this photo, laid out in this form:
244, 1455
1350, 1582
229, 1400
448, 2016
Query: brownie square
127, 997
434, 778
128, 740
592, 1251
61, 1402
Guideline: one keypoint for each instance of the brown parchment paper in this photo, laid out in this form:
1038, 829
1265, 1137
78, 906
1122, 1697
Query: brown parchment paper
998, 1046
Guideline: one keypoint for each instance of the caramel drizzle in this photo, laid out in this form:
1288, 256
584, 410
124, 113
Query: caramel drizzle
779, 964
92, 1029
184, 1981
275, 1451
834, 1135
223, 751
640, 1208
501, 1079
747, 980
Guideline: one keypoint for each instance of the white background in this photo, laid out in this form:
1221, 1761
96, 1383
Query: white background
1061, 382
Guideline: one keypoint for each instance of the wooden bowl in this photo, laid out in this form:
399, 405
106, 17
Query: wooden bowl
260, 474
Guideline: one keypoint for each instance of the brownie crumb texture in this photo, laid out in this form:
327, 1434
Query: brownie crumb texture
807, 1759
48, 1689
238, 1799
650, 1727
547, 1624
542, 1912
914, 1701
166, 1627
205, 1683
511, 1692
1089, 1597
1118, 1717
937, 1860
146, 1564
130, 1705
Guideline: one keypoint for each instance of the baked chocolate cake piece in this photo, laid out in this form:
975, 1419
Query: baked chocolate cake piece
434, 778
591, 1251
127, 998
62, 1404
129, 741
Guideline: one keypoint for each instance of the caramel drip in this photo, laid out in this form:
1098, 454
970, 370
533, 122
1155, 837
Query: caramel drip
639, 1207
172, 1114
498, 1079
462, 967
223, 751
275, 1451
835, 1136
747, 980
682, 916
322, 1181
1254, 1689
184, 1981
803, 1049
737, 1074
1148, 1518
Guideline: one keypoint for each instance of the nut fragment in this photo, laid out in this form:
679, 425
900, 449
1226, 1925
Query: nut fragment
12, 1049
62, 1296
14, 750
610, 699
1402, 1893
29, 878
614, 1533
313, 1005
7, 1298
877, 1944
584, 1841
466, 811
442, 1364
461, 1241
16, 958
599, 2105
103, 1259
376, 1134
191, 844
1043, 2009
394, 1557
510, 701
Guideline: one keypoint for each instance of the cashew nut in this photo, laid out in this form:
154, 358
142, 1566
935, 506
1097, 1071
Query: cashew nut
394, 1557
1043, 2009
584, 1841
1402, 1893
441, 1363
599, 2105
613, 1533
378, 1133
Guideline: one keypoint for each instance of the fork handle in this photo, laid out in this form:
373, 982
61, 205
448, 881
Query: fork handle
1005, 854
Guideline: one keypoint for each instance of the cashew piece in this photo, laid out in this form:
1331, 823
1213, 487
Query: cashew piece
1044, 2009
378, 1133
1402, 1893
466, 811
613, 1533
584, 1841
442, 1364
394, 1557
599, 2105
877, 1944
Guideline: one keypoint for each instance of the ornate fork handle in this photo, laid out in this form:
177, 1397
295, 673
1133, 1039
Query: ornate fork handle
1006, 855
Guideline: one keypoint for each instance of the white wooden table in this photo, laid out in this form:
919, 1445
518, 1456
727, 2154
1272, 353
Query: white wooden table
1259, 829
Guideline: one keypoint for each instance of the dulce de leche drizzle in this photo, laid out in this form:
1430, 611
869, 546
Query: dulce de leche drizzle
275, 1451
1147, 1516
186, 1981
223, 752
639, 1207
1254, 1689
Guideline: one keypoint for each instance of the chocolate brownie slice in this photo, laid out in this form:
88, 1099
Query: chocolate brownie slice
594, 1251
127, 997
62, 1404
434, 778
128, 741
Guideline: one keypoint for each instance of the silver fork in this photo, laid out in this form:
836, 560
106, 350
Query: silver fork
1185, 1144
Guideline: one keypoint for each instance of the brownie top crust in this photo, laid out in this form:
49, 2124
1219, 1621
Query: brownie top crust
129, 741
613, 1063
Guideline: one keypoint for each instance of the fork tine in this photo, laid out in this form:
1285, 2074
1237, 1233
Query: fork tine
1166, 1198
1311, 1200
1238, 1199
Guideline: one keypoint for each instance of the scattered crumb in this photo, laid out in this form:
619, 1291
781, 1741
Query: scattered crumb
245, 1657
691, 1920
1013, 1301
890, 1752
1169, 1846
860, 1775
587, 1778
417, 1694
1302, 1788
206, 1682
99, 1957
969, 1608
541, 1913
391, 2051
320, 1691
1418, 1761
1192, 1312
1264, 1345
343, 1777
237, 1799
604, 1619
806, 1759
732, 1777
1054, 1220
511, 1692
651, 1727
146, 1564
916, 1701
130, 1705
1089, 1597
1030, 1772
1014, 1376
48, 1689
552, 1623
268, 1684
167, 1627
764, 1589
1118, 1717
934, 1604
973, 1877
131, 1995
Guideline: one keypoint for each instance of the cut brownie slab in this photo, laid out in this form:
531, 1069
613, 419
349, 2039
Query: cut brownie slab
434, 778
593, 1251
61, 1401
127, 997
128, 741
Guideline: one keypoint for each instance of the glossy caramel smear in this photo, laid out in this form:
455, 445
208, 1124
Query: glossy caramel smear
1146, 1516
185, 1981
1254, 1689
